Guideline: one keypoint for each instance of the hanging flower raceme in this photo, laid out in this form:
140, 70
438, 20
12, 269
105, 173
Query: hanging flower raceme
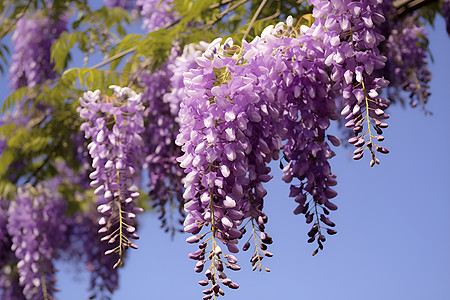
32, 39
308, 102
115, 125
37, 230
406, 51
351, 39
229, 132
161, 152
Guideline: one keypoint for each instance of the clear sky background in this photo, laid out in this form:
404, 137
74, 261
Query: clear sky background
393, 238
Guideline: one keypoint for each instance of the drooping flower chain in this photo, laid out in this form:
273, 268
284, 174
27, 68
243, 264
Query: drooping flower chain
226, 110
37, 231
348, 31
115, 124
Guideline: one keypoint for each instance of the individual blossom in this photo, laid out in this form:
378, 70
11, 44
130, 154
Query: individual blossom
115, 125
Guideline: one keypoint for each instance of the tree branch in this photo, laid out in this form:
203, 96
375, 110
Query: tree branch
258, 11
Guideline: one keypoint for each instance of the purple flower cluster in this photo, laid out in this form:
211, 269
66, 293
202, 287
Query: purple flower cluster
306, 94
37, 230
115, 125
178, 65
32, 40
104, 279
9, 279
229, 124
350, 38
161, 152
156, 14
406, 51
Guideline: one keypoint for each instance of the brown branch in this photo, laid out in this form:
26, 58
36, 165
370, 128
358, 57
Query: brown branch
258, 11
17, 18
405, 7
224, 13
114, 57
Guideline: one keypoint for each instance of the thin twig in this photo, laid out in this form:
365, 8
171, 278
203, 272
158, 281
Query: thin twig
100, 24
258, 11
222, 14
407, 6
114, 57
17, 18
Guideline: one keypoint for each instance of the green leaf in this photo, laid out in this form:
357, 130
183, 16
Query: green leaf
60, 49
6, 159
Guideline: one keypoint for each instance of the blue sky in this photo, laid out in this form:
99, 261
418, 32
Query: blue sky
393, 238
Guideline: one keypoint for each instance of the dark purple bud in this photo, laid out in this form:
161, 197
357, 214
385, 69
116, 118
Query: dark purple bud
219, 266
231, 259
299, 209
330, 193
311, 239
208, 274
334, 140
322, 238
327, 221
320, 245
222, 275
378, 129
234, 267
246, 246
216, 288
207, 297
268, 254
380, 138
360, 142
358, 156
358, 151
203, 282
263, 247
195, 255
263, 235
221, 292
313, 231
357, 129
382, 150
192, 239
331, 231
207, 291
267, 239
226, 281
353, 140
309, 218
199, 266
234, 286
331, 205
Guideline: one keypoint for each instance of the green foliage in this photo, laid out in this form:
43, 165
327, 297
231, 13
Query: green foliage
62, 46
